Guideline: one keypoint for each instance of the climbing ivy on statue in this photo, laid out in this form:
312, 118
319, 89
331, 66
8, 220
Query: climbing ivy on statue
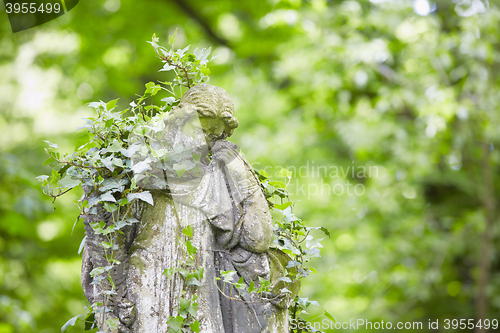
102, 159
103, 164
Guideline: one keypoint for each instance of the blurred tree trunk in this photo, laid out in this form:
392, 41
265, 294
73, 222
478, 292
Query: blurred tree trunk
484, 268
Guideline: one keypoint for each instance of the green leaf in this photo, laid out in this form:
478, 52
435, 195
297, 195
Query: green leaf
277, 184
51, 145
325, 230
67, 182
240, 284
115, 147
111, 104
284, 173
106, 245
283, 206
191, 248
109, 123
144, 196
69, 323
193, 282
195, 326
188, 231
167, 68
81, 141
109, 207
204, 70
173, 38
264, 173
264, 284
329, 316
192, 308
152, 88
107, 197
251, 287
90, 321
113, 184
179, 171
227, 276
169, 100
82, 245
183, 303
50, 161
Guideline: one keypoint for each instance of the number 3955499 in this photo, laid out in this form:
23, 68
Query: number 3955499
32, 8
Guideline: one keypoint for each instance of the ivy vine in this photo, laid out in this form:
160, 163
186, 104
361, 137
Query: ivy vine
103, 164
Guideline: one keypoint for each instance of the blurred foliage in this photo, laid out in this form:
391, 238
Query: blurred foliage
410, 88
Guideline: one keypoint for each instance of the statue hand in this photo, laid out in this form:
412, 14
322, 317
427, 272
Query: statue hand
233, 162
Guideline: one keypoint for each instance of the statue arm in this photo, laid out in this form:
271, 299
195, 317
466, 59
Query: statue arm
257, 223
256, 219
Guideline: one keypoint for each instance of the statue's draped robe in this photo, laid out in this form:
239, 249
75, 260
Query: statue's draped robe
231, 228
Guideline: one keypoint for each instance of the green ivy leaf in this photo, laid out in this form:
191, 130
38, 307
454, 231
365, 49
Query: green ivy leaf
188, 231
204, 70
152, 88
284, 173
192, 308
71, 322
82, 141
144, 196
68, 182
329, 316
190, 248
111, 104
169, 100
251, 287
115, 147
193, 282
51, 145
50, 162
110, 207
173, 38
277, 184
283, 206
107, 197
82, 245
195, 326
183, 303
113, 184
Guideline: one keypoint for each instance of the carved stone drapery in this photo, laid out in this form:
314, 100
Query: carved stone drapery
222, 201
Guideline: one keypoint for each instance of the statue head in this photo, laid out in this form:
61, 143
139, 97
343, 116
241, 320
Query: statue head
214, 108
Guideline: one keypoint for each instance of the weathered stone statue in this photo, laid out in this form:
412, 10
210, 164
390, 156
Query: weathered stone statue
220, 197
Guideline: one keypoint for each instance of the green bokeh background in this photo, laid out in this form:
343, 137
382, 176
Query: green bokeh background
409, 88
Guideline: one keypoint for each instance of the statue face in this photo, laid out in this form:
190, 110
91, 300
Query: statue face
213, 127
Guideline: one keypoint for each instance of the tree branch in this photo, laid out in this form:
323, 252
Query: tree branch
201, 21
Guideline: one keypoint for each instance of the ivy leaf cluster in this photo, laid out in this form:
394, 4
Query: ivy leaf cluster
109, 163
293, 237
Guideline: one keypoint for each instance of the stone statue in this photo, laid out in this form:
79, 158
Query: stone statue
220, 197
